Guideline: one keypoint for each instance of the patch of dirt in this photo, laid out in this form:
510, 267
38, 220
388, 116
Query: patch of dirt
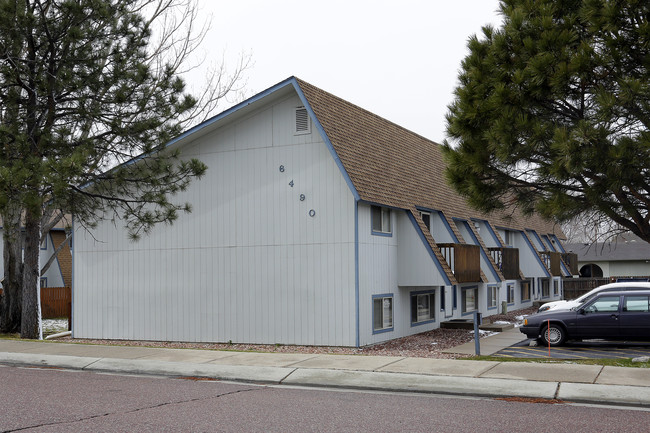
531, 400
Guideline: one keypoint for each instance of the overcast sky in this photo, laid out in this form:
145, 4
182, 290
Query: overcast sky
398, 59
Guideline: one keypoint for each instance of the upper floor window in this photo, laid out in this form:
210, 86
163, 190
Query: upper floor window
426, 218
380, 217
509, 238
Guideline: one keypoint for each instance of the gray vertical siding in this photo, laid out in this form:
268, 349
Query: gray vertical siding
249, 264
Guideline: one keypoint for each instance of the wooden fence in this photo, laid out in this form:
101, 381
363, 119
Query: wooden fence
574, 287
56, 302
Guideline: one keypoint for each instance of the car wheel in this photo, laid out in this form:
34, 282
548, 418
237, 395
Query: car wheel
554, 334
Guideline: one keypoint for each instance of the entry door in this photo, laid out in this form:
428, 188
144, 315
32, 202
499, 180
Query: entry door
600, 318
449, 301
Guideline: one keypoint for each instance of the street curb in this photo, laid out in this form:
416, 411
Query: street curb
605, 394
406, 382
348, 379
244, 373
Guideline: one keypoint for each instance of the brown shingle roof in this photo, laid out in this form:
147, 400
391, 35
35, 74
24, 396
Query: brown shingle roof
393, 166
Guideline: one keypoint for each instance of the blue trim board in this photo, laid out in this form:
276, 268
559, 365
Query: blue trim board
356, 271
428, 247
491, 230
559, 244
324, 136
446, 223
549, 244
536, 236
539, 260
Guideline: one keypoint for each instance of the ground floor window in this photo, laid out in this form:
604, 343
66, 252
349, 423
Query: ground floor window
422, 307
556, 287
382, 313
511, 293
442, 299
525, 291
492, 296
545, 288
470, 299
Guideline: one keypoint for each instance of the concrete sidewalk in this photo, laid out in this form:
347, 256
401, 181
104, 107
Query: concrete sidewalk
492, 344
567, 382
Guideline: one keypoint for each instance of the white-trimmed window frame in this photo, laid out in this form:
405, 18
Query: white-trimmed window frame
419, 298
387, 312
380, 221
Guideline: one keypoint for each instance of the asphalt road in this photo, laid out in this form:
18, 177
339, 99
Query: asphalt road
578, 350
52, 400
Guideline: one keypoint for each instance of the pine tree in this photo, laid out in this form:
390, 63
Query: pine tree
552, 112
88, 88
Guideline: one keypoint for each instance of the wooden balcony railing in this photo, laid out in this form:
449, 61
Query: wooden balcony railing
552, 260
571, 260
464, 261
507, 260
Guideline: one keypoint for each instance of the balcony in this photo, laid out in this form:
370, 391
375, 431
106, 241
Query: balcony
552, 260
571, 260
464, 261
507, 261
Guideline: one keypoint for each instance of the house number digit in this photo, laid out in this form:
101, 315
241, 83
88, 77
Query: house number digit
282, 169
291, 183
302, 197
312, 213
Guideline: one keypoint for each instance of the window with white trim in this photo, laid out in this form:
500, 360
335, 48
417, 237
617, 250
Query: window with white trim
492, 296
509, 237
380, 217
556, 287
422, 307
469, 299
382, 313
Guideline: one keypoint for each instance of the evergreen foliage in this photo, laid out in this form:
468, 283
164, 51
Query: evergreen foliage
90, 94
552, 112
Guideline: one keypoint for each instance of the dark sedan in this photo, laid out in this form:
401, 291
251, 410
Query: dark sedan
610, 316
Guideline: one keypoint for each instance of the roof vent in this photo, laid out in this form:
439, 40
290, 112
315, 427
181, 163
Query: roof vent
303, 125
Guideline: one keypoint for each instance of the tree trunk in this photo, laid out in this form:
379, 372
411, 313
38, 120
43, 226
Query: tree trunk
11, 300
31, 317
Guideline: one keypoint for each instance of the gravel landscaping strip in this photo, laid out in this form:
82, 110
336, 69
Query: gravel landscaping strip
428, 344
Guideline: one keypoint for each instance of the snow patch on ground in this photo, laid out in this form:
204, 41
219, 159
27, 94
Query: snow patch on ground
54, 326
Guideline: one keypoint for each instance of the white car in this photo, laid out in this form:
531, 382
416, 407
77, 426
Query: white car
572, 303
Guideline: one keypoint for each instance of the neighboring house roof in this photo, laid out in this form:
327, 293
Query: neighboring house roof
393, 166
611, 251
